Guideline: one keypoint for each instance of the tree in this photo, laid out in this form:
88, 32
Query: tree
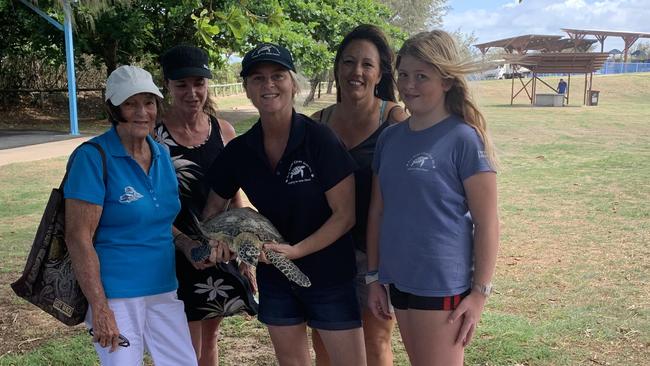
465, 43
416, 16
312, 30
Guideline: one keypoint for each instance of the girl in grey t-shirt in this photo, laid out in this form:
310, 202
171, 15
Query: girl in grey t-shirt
433, 224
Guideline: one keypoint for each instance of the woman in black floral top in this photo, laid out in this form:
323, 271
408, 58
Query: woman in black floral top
194, 137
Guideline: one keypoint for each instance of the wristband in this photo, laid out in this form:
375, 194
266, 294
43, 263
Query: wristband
372, 276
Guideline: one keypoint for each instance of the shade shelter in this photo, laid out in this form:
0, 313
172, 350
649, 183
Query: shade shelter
628, 37
556, 63
520, 44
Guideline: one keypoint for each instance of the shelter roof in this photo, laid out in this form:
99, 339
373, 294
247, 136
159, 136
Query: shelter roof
558, 62
521, 44
602, 32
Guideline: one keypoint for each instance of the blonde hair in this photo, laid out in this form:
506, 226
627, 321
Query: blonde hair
438, 49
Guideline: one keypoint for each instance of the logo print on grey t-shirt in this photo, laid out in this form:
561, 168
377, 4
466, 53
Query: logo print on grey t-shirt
422, 162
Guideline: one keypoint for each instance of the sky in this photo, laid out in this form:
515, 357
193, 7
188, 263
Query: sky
491, 20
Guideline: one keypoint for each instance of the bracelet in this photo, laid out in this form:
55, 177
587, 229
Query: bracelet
371, 276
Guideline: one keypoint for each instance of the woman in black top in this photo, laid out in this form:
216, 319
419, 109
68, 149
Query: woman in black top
296, 173
365, 105
195, 137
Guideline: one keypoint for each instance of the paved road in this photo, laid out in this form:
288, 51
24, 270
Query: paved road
41, 149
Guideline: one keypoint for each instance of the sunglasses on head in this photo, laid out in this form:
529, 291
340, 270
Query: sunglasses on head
124, 342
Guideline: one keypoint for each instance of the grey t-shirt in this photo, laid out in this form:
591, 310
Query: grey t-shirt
426, 237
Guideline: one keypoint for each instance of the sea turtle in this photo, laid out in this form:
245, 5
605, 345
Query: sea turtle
245, 230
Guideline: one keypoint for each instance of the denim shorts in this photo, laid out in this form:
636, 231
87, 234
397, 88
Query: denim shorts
329, 308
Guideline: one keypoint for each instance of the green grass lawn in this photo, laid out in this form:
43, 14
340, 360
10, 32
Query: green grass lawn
573, 269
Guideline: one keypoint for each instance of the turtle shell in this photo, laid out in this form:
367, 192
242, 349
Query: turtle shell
239, 220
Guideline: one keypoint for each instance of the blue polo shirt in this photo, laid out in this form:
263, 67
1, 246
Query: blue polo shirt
134, 240
292, 196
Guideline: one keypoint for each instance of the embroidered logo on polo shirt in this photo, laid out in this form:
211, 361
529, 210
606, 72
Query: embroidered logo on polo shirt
422, 162
130, 195
299, 172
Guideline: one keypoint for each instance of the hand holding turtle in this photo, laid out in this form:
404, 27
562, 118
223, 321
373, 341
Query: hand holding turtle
200, 255
221, 251
287, 250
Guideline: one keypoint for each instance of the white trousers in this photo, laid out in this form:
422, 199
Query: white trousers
155, 323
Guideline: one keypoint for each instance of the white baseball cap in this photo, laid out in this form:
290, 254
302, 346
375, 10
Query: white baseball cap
128, 80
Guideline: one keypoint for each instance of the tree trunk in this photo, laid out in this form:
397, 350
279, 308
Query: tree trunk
313, 83
110, 57
330, 81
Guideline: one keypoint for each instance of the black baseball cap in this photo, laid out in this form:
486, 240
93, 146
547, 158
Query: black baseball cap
184, 61
266, 52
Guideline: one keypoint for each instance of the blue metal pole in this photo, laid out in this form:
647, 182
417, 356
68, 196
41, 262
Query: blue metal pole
69, 56
42, 14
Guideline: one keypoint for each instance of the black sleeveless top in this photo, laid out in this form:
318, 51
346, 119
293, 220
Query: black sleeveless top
362, 155
202, 291
191, 163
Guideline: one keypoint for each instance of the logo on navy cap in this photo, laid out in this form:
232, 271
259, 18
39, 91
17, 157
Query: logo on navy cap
267, 50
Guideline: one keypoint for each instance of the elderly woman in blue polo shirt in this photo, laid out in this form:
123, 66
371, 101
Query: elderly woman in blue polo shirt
128, 274
313, 210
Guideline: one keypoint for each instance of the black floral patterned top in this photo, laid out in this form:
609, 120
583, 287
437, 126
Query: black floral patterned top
214, 292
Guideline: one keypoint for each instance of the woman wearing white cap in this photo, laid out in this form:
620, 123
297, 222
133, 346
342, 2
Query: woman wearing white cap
127, 274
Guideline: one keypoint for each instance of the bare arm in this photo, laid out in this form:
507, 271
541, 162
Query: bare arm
481, 191
81, 221
482, 200
395, 115
228, 133
377, 296
375, 211
341, 201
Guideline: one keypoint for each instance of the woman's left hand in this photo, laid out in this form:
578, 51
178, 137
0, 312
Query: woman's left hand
248, 271
469, 311
221, 252
289, 251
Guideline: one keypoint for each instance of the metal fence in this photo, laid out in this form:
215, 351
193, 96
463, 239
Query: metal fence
224, 90
623, 67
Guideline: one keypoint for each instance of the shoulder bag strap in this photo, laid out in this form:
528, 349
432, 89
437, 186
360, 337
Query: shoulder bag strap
101, 152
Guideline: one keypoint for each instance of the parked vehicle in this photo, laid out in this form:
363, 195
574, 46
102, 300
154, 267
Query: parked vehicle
504, 71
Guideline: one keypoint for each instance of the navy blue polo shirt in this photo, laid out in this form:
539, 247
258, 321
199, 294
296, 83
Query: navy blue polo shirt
292, 196
134, 236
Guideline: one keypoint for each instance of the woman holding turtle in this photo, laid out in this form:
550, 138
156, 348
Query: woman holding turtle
297, 174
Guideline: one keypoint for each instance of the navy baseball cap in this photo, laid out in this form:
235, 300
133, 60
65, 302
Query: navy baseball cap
184, 61
266, 52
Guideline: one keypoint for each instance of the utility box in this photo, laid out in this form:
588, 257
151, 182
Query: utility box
549, 100
593, 97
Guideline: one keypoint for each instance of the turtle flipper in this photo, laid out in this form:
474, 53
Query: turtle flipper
288, 268
247, 248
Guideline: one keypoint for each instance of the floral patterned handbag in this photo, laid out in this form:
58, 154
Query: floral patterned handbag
48, 280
